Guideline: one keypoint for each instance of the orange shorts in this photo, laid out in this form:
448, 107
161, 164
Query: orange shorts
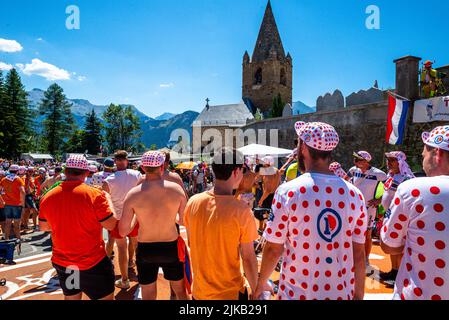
116, 234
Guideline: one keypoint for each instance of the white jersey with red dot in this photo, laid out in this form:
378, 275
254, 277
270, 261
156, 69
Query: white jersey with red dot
317, 217
418, 220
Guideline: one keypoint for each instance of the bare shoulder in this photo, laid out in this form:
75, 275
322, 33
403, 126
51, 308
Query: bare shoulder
173, 187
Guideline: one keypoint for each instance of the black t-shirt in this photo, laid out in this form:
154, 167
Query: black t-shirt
258, 166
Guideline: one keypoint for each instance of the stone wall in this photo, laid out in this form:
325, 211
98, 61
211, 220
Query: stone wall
360, 128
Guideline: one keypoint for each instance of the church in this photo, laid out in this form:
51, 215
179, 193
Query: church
266, 75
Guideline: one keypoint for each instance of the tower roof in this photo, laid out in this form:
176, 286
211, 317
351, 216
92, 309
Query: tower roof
269, 41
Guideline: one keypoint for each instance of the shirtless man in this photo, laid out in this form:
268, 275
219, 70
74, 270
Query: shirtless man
52, 180
172, 176
245, 189
155, 205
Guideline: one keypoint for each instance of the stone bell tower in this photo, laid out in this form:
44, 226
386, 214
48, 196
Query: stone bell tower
269, 71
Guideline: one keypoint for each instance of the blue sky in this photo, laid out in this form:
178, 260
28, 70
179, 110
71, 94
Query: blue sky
169, 55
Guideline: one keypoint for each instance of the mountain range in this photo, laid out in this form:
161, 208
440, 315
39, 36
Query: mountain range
155, 131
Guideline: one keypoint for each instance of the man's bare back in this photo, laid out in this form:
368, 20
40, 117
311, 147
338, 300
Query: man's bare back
156, 204
174, 177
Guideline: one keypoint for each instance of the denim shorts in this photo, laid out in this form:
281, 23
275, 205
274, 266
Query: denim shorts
13, 212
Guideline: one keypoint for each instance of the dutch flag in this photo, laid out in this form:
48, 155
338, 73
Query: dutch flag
397, 118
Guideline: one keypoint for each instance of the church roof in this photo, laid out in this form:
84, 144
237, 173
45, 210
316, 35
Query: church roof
269, 40
232, 115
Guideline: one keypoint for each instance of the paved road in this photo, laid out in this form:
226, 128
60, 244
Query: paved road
33, 278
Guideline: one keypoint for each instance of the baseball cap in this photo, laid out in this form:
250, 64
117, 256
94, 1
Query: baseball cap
363, 155
318, 135
437, 138
109, 163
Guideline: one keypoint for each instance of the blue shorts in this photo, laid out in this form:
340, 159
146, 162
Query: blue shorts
29, 202
13, 212
2, 215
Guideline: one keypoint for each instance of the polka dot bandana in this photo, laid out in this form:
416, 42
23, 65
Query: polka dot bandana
438, 138
153, 159
318, 135
77, 162
363, 155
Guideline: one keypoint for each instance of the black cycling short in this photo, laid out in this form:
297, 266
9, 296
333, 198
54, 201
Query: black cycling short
152, 256
268, 202
29, 202
96, 283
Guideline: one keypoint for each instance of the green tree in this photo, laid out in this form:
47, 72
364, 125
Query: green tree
16, 117
59, 123
76, 143
92, 139
2, 121
278, 107
153, 147
122, 128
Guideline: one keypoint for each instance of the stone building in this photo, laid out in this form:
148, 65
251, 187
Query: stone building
269, 71
214, 120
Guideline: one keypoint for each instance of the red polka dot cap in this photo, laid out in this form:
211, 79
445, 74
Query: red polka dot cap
318, 135
334, 166
363, 155
153, 159
438, 138
77, 162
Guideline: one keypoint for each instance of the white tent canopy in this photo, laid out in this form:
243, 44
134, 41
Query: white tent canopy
259, 149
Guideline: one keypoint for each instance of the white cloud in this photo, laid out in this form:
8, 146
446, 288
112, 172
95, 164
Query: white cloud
39, 39
10, 46
82, 78
167, 85
5, 66
43, 69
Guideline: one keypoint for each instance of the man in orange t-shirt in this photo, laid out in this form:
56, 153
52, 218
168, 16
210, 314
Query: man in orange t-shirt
221, 231
14, 198
76, 214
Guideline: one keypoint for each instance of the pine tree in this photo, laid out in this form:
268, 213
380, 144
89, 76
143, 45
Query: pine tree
16, 117
122, 128
92, 138
2, 121
59, 122
75, 144
278, 107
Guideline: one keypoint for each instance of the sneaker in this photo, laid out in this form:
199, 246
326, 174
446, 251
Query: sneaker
124, 285
388, 276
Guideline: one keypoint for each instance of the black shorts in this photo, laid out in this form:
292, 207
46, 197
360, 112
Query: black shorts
2, 215
152, 256
268, 202
29, 202
96, 283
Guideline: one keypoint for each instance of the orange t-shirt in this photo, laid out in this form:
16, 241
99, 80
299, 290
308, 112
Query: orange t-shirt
11, 191
217, 225
74, 212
